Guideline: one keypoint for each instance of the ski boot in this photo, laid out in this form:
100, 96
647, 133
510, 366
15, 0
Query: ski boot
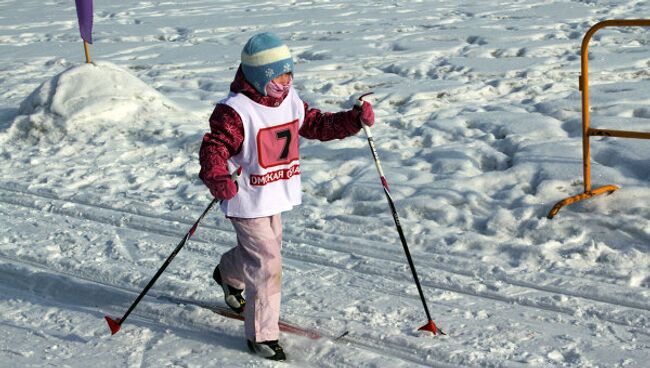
233, 297
267, 349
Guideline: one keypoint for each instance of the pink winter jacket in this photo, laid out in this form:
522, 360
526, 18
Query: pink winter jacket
227, 130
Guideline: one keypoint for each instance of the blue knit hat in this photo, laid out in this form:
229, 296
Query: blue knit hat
264, 58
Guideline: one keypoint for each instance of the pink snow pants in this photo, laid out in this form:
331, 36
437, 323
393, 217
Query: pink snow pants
255, 265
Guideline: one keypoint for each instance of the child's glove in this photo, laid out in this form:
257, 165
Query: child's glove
224, 188
366, 115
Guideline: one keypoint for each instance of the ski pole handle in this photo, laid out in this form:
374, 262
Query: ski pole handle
234, 176
375, 155
371, 142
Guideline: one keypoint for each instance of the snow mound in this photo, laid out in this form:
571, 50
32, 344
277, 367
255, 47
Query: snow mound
88, 99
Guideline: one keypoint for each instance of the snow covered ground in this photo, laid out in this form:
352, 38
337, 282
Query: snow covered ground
479, 130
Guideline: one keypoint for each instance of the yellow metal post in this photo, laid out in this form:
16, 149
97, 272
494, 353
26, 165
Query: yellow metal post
586, 130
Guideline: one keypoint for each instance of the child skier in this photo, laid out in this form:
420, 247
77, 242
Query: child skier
255, 130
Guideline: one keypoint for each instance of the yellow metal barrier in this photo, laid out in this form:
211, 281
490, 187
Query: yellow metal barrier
586, 130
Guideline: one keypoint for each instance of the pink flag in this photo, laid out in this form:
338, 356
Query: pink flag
85, 16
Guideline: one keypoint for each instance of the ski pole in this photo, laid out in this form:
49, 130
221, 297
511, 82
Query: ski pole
430, 326
116, 324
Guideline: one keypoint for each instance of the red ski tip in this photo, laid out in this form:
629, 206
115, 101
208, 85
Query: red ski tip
113, 324
431, 327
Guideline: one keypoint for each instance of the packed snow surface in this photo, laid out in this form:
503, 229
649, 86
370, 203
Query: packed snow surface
479, 132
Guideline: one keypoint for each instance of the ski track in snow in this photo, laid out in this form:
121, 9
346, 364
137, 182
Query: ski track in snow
551, 300
479, 134
59, 286
85, 211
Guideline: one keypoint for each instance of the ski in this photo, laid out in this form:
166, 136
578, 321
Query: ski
229, 313
284, 326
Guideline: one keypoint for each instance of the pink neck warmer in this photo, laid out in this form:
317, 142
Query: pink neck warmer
277, 90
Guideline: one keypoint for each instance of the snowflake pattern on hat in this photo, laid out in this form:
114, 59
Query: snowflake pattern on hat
288, 68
